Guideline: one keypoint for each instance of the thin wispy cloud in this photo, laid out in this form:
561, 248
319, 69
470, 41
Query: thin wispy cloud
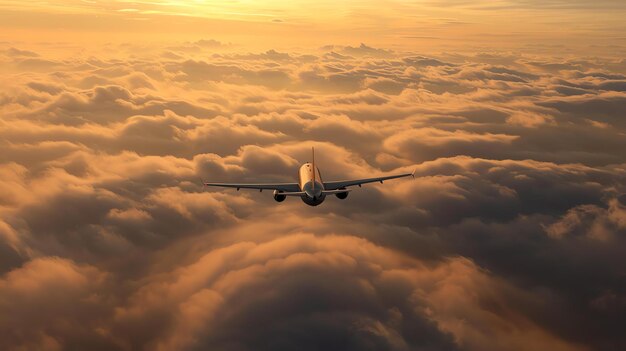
575, 24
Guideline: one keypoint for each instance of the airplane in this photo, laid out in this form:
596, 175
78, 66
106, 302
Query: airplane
310, 188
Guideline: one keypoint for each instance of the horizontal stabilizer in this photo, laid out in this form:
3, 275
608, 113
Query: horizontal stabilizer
338, 191
293, 193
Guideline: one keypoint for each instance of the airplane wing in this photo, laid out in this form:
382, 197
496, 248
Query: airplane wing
346, 183
287, 187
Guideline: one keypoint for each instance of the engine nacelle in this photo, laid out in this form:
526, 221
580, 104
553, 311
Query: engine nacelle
343, 195
278, 197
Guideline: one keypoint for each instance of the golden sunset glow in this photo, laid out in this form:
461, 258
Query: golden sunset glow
429, 25
498, 127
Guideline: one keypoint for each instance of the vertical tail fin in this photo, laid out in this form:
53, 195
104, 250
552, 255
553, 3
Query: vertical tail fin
313, 165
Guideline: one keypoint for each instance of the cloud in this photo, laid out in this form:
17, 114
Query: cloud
364, 50
593, 221
510, 237
431, 143
15, 52
331, 287
53, 303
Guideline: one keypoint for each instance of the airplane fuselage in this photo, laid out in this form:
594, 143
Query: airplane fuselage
311, 184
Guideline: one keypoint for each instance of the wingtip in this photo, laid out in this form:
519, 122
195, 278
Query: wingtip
413, 173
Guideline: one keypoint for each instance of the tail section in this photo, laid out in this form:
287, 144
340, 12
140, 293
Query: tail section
313, 165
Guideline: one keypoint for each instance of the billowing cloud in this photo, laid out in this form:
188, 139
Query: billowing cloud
511, 237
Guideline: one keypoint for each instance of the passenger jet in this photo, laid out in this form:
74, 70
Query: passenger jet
310, 188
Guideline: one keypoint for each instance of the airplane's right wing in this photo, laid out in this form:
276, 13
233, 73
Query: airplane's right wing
346, 183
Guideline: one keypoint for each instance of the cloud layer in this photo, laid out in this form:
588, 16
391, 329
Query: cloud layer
511, 237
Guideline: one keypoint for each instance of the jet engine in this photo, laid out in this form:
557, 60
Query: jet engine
278, 197
342, 195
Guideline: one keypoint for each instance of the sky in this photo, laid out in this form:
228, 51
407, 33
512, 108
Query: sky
512, 236
428, 25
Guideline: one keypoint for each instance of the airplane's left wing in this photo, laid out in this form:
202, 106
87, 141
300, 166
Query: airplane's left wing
287, 187
346, 183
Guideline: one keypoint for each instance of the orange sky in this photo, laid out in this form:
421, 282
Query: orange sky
428, 25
